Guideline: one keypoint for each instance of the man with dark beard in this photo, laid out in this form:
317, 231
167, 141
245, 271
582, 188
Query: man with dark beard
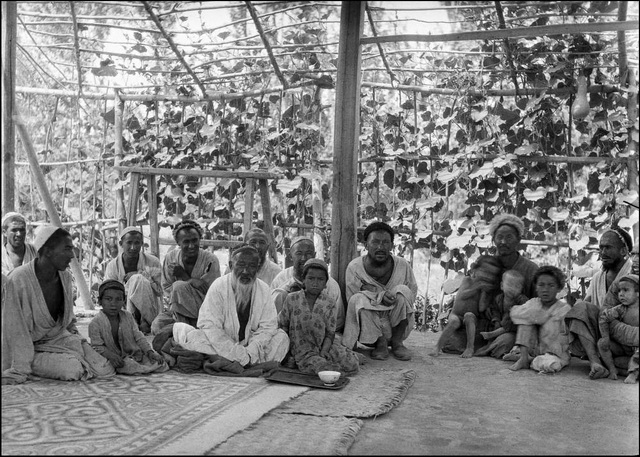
237, 319
381, 290
582, 320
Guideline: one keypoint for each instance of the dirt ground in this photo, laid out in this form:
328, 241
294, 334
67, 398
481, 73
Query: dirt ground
478, 406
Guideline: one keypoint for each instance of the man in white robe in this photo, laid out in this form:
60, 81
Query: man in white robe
237, 319
15, 250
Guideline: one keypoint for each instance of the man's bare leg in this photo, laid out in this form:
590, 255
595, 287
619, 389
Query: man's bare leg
470, 326
453, 325
524, 361
597, 371
607, 357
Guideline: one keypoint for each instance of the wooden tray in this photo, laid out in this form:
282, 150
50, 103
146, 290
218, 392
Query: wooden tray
302, 379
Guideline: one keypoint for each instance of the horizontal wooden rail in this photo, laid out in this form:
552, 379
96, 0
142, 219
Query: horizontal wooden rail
201, 173
205, 243
500, 34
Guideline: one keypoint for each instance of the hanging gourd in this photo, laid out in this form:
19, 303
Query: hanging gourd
580, 107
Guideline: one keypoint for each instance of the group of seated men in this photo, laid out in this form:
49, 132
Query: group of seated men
234, 315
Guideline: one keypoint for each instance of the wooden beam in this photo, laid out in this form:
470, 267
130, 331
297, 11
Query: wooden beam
76, 269
238, 174
345, 141
134, 196
76, 45
521, 32
119, 112
392, 75
173, 46
248, 205
9, 27
267, 45
263, 184
152, 195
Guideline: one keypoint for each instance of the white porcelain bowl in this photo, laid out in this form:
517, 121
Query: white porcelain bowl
329, 377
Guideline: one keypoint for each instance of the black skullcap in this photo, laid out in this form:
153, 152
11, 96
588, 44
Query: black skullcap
624, 237
110, 284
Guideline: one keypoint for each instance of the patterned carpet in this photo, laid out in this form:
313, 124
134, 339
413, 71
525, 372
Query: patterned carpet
129, 415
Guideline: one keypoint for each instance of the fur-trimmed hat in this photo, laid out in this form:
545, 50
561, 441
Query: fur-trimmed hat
506, 219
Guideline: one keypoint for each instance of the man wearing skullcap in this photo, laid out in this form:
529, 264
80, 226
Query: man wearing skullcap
238, 319
40, 301
268, 269
141, 274
381, 291
291, 279
187, 273
15, 250
582, 320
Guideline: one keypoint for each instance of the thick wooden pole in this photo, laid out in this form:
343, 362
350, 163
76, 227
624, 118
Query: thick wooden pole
9, 17
152, 193
345, 141
118, 109
263, 184
38, 176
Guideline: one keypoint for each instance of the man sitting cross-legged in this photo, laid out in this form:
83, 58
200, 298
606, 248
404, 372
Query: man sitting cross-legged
381, 290
237, 319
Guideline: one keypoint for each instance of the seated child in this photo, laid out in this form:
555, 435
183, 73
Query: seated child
627, 313
309, 318
503, 335
473, 298
115, 335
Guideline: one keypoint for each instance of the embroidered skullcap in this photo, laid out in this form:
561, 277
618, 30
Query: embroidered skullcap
622, 235
244, 248
509, 220
377, 226
129, 230
630, 278
301, 238
10, 216
186, 224
43, 233
315, 263
110, 284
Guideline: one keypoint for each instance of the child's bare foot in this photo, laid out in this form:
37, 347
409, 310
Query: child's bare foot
485, 335
467, 354
632, 378
522, 363
613, 375
598, 371
436, 353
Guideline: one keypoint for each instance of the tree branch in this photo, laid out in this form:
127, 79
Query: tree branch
375, 34
175, 49
76, 45
267, 45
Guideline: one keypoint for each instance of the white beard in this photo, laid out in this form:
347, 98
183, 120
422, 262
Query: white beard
242, 292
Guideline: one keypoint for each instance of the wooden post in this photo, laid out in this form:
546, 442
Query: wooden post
248, 205
152, 192
9, 18
118, 110
263, 184
345, 141
38, 175
134, 196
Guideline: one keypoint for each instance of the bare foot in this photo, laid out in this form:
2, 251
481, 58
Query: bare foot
598, 371
485, 335
632, 378
467, 354
520, 364
437, 353
613, 375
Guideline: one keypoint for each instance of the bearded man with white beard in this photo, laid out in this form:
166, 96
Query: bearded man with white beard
237, 319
